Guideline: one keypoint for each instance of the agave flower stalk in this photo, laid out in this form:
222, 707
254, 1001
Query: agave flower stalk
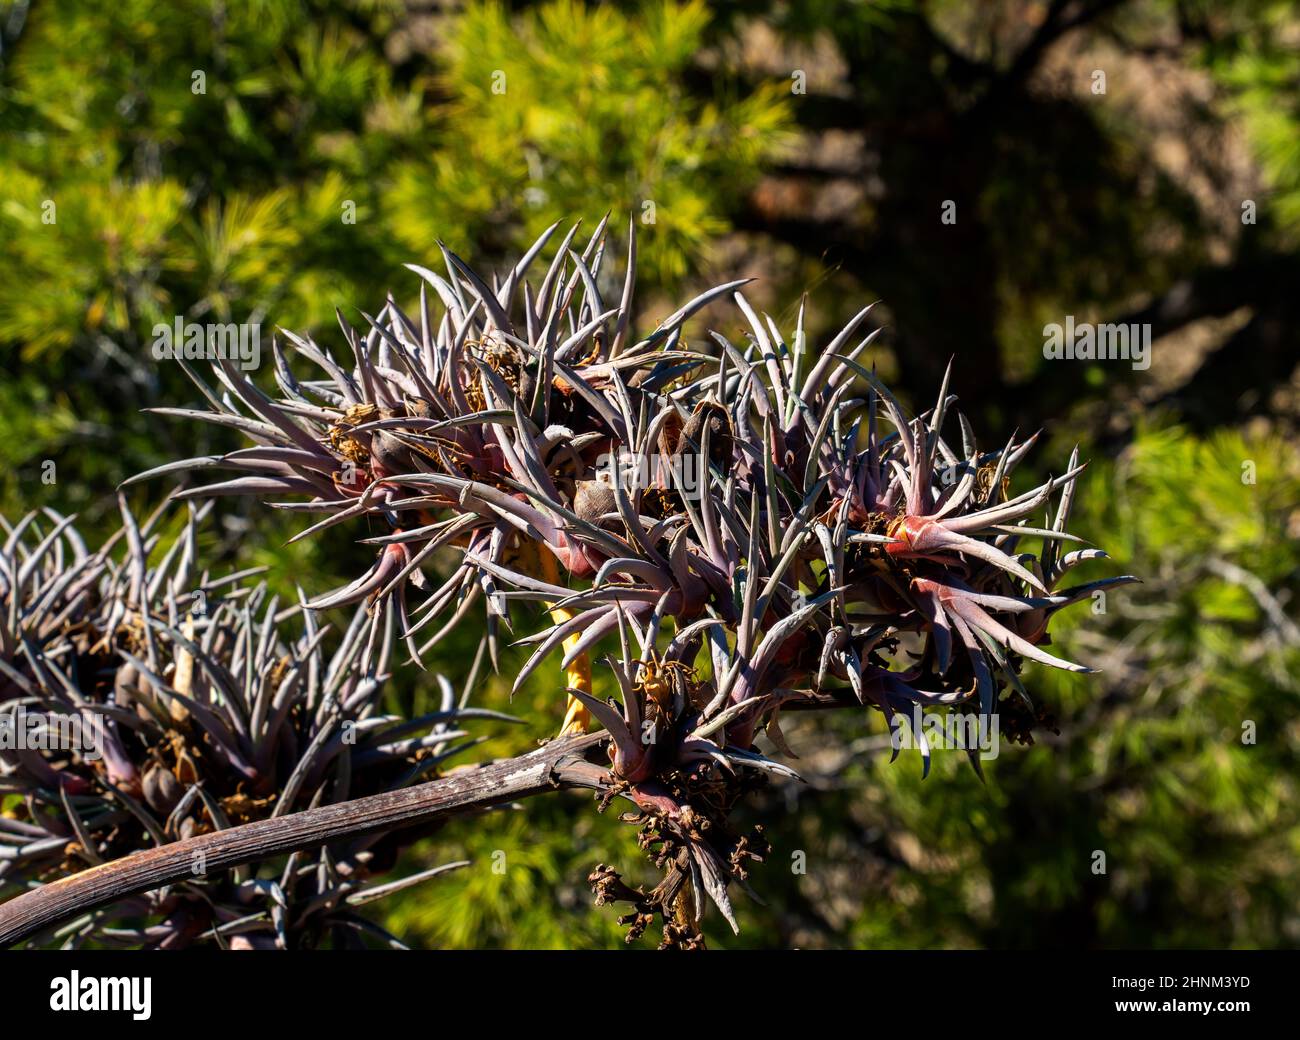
578, 673
795, 536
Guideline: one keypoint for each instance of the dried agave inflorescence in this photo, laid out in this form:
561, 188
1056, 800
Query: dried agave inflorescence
777, 539
199, 705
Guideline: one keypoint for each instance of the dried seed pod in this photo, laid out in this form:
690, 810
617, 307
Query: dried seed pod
161, 789
593, 499
721, 445
390, 455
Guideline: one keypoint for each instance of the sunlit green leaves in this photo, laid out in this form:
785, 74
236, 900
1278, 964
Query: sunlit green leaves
569, 109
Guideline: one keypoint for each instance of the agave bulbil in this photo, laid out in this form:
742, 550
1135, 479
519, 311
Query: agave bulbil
207, 704
828, 546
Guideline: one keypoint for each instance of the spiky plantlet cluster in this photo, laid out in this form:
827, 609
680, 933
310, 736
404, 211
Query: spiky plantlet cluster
200, 705
794, 535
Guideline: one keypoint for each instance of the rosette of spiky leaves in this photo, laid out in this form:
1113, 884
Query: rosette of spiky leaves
899, 534
476, 425
813, 548
202, 704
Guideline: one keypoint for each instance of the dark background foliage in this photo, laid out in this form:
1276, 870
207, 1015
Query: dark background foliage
813, 145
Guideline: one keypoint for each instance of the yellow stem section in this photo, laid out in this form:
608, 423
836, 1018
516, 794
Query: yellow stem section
577, 719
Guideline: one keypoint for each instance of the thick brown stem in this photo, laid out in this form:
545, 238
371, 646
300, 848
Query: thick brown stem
559, 764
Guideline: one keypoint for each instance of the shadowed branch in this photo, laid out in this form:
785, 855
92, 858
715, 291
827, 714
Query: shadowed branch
560, 764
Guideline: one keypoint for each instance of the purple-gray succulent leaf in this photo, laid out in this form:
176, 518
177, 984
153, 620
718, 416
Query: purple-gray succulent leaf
826, 361
1073, 559
634, 567
550, 639
679, 316
973, 615
385, 567
936, 537
180, 466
